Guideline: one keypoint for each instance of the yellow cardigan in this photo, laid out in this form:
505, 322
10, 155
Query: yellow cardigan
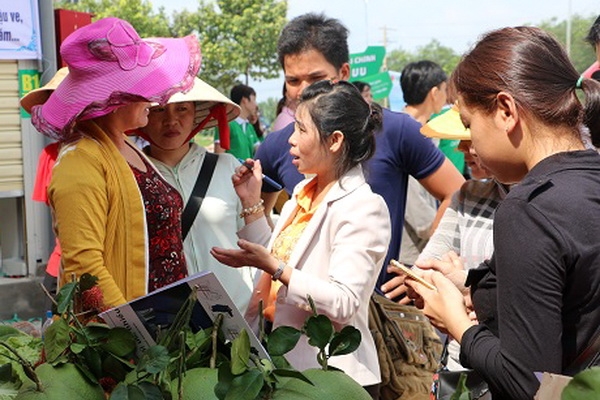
100, 217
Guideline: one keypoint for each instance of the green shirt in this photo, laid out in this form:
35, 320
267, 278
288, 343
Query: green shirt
243, 139
448, 147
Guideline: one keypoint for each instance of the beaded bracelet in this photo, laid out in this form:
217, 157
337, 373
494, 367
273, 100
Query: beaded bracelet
255, 209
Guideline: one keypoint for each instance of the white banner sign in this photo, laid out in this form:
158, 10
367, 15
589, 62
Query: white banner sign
19, 30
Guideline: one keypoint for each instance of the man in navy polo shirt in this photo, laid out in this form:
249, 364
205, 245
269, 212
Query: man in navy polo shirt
313, 47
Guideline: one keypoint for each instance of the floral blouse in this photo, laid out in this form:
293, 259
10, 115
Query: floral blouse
164, 206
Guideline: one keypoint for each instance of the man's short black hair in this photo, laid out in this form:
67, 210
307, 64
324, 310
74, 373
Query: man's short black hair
326, 35
238, 92
418, 78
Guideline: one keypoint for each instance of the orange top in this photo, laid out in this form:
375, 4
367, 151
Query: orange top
43, 175
44, 172
284, 243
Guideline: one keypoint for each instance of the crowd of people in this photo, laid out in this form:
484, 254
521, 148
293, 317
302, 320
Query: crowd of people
511, 252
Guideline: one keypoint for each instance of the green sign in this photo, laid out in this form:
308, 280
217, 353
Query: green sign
29, 79
381, 84
367, 63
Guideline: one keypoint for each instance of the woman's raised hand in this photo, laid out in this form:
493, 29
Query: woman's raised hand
247, 181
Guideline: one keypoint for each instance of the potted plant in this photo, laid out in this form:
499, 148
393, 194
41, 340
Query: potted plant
83, 358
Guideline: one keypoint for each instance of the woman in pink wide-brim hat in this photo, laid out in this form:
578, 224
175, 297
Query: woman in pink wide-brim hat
115, 215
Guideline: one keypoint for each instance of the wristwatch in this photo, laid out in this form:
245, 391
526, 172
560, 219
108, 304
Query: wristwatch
277, 274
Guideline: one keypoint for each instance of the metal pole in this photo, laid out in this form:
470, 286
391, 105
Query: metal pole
48, 36
568, 41
367, 22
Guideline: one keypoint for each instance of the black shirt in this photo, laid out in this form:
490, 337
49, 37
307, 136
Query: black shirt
544, 303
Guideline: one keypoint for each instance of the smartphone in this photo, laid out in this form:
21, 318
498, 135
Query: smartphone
410, 273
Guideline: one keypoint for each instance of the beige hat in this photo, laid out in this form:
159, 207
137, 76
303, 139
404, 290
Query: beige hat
212, 109
206, 97
447, 126
40, 95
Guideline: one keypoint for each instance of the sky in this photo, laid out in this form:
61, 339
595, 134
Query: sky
408, 24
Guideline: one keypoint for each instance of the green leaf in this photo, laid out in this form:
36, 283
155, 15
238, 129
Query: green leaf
150, 391
199, 345
115, 367
180, 322
345, 341
462, 391
87, 281
28, 348
240, 353
281, 362
57, 339
65, 297
197, 359
282, 340
93, 361
119, 342
225, 378
84, 370
63, 359
154, 360
319, 330
199, 339
246, 386
127, 392
584, 385
7, 331
292, 373
266, 365
95, 333
8, 393
6, 372
77, 347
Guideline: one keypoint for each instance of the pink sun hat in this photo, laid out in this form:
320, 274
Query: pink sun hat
111, 66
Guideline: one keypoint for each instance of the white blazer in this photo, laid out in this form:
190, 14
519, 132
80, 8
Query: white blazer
336, 261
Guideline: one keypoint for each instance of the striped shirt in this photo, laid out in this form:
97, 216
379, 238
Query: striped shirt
467, 229
466, 226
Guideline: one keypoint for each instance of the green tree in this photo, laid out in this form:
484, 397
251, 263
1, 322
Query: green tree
446, 57
582, 54
397, 59
268, 108
139, 13
433, 51
239, 37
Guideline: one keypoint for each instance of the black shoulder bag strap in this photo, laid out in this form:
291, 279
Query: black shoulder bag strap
195, 201
590, 357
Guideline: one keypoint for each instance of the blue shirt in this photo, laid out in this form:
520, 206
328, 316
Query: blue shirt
401, 151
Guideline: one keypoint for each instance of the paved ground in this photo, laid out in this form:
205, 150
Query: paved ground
21, 297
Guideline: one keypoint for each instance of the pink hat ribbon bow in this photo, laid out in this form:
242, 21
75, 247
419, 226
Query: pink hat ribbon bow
129, 49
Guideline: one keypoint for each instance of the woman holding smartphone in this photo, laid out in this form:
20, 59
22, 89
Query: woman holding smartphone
518, 95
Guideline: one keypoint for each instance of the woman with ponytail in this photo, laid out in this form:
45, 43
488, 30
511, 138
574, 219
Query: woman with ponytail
332, 236
538, 298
